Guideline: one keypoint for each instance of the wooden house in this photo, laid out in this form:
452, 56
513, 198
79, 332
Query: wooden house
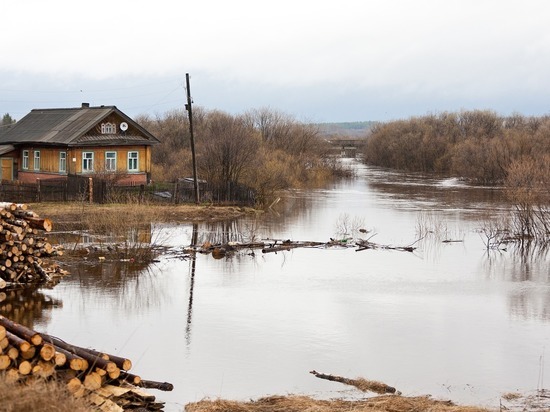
87, 141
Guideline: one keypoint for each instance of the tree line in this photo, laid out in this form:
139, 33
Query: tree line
481, 147
263, 149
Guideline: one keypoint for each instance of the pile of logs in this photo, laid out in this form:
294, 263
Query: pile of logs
102, 378
23, 248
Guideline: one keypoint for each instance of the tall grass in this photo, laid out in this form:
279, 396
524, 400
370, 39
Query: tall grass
38, 396
126, 232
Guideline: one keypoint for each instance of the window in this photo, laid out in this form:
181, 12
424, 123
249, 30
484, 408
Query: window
36, 160
108, 128
133, 161
62, 162
87, 162
110, 161
25, 164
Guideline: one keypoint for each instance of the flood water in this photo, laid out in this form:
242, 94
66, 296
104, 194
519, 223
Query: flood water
450, 319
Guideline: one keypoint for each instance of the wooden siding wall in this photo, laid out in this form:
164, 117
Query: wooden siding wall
49, 158
144, 158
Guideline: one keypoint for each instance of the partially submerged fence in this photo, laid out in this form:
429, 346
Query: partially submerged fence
77, 188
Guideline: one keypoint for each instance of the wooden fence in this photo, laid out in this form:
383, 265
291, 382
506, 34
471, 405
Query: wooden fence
95, 190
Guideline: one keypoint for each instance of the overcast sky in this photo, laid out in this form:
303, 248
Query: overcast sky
318, 60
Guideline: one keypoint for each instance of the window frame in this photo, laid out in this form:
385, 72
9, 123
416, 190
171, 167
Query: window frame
108, 128
25, 160
62, 162
87, 162
36, 160
132, 160
114, 161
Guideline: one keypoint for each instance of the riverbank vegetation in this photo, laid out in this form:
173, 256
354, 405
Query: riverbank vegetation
263, 149
43, 396
39, 396
480, 147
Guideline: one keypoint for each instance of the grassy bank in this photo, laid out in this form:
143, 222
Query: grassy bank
388, 403
40, 396
71, 212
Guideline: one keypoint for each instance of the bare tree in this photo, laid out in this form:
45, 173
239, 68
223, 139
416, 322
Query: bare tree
228, 150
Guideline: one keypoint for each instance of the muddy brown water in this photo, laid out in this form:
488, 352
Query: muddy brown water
450, 319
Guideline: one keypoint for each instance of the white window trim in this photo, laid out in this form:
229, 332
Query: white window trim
108, 128
62, 162
115, 161
131, 160
86, 160
36, 160
25, 160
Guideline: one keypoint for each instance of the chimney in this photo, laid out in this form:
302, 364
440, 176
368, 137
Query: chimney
85, 105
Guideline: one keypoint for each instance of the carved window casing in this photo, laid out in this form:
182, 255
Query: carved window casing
108, 128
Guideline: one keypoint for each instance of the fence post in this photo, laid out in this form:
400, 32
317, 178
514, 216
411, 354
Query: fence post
176, 193
91, 190
38, 196
141, 193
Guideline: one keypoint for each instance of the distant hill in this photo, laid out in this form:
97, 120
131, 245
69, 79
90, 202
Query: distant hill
345, 129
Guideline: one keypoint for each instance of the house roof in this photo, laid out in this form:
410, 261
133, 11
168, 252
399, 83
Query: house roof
73, 127
6, 148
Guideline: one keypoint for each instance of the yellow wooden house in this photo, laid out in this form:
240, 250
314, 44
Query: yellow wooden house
89, 141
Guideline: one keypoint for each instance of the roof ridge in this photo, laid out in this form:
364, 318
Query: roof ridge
73, 108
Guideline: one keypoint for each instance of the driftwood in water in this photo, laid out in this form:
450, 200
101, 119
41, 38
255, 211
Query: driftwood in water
268, 246
288, 244
360, 383
221, 250
367, 244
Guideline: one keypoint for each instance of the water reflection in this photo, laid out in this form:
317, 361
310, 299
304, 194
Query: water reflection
521, 262
129, 286
193, 267
73, 238
344, 312
527, 265
28, 306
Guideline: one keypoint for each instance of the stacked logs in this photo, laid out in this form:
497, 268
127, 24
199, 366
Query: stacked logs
23, 247
27, 354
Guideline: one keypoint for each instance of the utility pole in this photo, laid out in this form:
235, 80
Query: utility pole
190, 111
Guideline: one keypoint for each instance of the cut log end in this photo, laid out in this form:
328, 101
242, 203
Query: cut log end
93, 381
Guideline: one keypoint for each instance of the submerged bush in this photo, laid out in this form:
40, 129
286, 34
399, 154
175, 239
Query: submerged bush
528, 187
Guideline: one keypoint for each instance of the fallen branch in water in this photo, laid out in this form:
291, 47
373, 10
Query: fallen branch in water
367, 244
360, 383
364, 245
221, 250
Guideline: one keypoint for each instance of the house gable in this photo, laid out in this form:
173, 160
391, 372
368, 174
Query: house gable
115, 130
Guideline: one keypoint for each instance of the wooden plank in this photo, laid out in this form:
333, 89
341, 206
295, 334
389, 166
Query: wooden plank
110, 390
